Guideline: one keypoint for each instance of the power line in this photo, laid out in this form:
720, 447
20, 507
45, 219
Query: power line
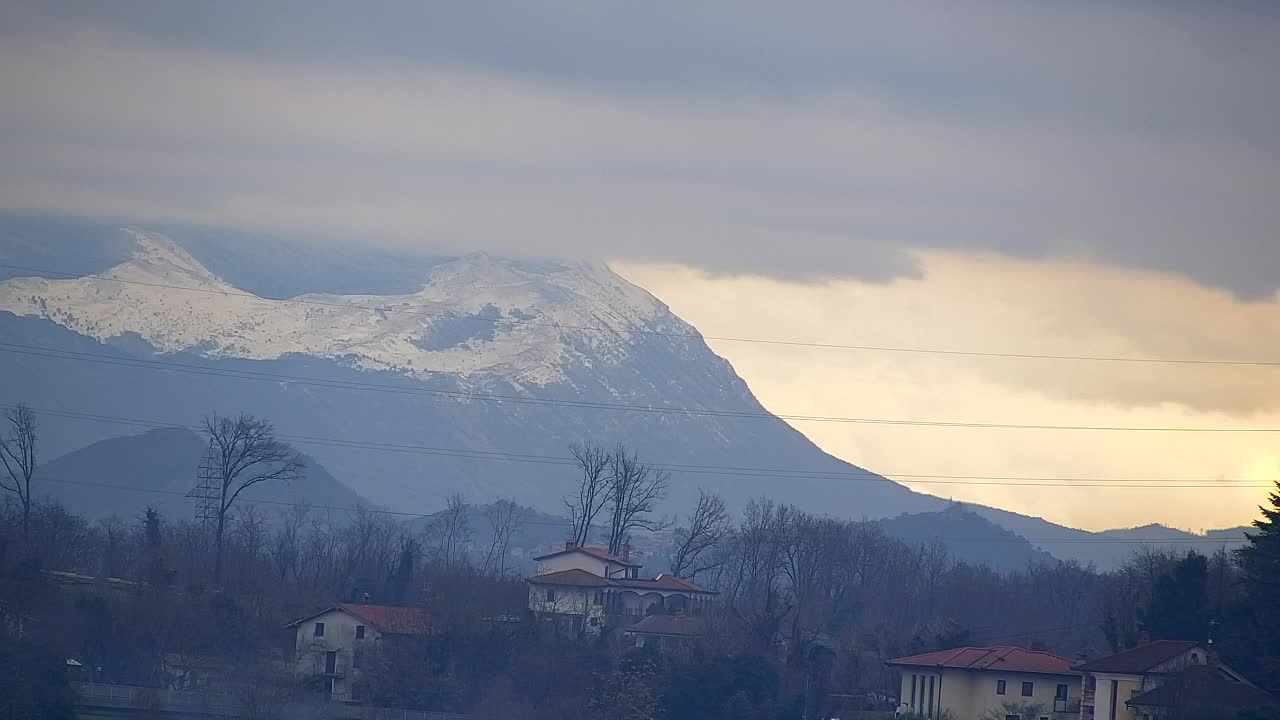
583, 404
656, 333
693, 469
565, 523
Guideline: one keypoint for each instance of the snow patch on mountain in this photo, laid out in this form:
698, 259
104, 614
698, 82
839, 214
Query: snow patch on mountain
473, 317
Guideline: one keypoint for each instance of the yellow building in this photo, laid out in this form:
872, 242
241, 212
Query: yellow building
975, 683
1111, 682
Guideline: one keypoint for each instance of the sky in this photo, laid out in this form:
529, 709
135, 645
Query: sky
1063, 177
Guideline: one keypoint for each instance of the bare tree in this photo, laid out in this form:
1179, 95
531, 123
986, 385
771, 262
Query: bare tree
634, 489
246, 453
453, 528
593, 489
284, 547
708, 525
503, 517
18, 453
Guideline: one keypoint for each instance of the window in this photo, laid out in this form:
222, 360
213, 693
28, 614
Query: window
598, 598
357, 691
930, 696
913, 690
1028, 689
319, 630
1060, 693
356, 659
359, 632
551, 594
1012, 717
331, 662
1000, 687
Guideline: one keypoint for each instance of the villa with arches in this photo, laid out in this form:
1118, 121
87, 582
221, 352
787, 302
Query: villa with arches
586, 589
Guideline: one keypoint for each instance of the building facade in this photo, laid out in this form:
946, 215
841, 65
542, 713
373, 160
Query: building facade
971, 683
584, 590
1111, 682
334, 646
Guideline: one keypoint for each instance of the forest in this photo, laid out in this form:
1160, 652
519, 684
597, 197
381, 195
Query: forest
809, 607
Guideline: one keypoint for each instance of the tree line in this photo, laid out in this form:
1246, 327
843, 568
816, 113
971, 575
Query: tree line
808, 606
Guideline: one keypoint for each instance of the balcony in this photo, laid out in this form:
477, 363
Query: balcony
1066, 706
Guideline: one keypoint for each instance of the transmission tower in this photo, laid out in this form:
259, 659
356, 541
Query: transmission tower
207, 491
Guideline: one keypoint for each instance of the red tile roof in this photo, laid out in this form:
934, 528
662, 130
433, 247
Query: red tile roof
1140, 659
391, 619
1206, 686
582, 578
575, 577
683, 625
597, 553
662, 582
388, 619
1002, 657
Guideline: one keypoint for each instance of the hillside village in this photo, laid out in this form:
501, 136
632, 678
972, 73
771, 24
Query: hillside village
775, 614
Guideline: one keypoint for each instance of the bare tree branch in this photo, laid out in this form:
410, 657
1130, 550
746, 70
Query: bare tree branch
708, 525
18, 453
246, 453
634, 490
593, 489
504, 518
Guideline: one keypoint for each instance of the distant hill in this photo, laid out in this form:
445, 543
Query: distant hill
1108, 549
159, 467
969, 537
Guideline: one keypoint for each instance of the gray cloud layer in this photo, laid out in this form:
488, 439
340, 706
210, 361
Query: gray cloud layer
823, 139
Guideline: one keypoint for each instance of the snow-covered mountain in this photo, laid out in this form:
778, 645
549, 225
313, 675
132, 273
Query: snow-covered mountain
476, 318
283, 331
559, 334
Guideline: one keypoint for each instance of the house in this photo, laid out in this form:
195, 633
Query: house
1210, 690
585, 589
1158, 678
335, 644
969, 683
1111, 682
665, 632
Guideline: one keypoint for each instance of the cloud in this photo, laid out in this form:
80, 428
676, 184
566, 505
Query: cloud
966, 302
807, 144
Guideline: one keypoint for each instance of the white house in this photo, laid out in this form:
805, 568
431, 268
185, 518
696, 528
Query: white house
335, 644
584, 589
974, 682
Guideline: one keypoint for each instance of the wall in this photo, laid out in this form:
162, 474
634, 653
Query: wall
575, 561
569, 601
340, 637
969, 694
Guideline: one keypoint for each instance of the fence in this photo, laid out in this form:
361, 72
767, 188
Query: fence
214, 704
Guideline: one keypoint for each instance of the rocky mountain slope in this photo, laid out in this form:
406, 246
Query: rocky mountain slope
476, 381
413, 377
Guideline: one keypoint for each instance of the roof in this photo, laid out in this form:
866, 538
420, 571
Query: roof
582, 578
1205, 686
388, 619
597, 553
575, 577
682, 625
1140, 659
1000, 657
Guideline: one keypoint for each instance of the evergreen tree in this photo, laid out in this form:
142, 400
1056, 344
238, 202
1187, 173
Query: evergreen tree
1260, 561
1179, 607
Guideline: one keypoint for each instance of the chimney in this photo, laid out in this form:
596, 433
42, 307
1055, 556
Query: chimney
626, 552
570, 544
